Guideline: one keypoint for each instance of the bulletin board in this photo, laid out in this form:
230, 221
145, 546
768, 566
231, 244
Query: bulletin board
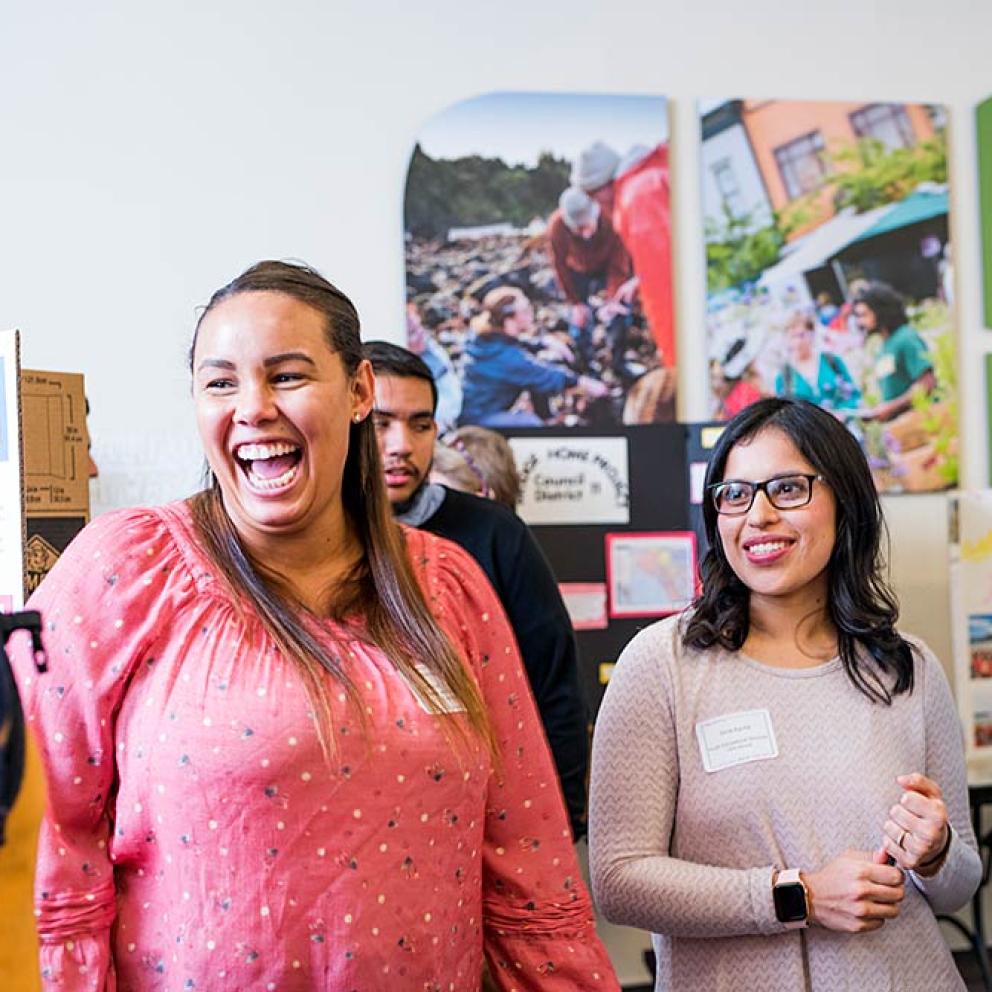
656, 466
970, 532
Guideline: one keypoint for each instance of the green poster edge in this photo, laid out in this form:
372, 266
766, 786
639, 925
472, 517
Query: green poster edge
983, 115
988, 409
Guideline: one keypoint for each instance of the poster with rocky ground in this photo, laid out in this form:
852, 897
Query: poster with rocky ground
538, 260
829, 272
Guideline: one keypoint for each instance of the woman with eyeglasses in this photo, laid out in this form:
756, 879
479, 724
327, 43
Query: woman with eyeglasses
778, 783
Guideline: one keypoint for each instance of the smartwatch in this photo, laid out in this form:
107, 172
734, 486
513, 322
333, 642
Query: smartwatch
791, 899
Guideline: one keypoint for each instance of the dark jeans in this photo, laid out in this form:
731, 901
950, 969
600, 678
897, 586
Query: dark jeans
616, 329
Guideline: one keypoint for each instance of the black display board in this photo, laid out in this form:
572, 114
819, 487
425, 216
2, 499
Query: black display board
659, 458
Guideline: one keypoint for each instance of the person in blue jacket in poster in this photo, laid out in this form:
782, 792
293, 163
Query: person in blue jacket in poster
499, 368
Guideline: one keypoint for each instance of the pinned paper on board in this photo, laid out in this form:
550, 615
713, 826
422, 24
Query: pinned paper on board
572, 480
652, 574
586, 604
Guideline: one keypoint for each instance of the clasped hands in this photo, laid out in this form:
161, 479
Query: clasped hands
859, 890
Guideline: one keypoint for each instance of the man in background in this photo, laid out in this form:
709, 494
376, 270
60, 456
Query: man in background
904, 368
405, 400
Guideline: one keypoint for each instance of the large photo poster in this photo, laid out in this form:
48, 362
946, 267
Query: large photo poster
828, 264
538, 260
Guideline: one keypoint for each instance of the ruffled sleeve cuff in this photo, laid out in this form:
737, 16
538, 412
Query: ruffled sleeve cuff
78, 964
558, 952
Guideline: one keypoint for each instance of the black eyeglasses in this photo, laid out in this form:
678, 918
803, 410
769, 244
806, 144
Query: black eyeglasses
734, 497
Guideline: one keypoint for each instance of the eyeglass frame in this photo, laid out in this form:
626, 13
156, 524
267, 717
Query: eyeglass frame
762, 487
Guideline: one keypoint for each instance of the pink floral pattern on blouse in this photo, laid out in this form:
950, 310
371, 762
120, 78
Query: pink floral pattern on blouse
196, 838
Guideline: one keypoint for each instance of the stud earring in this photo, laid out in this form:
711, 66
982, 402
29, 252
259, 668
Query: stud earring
357, 417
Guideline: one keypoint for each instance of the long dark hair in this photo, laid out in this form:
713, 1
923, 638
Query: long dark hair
888, 306
382, 590
860, 604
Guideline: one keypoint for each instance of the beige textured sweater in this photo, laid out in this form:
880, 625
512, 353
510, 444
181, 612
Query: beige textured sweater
689, 854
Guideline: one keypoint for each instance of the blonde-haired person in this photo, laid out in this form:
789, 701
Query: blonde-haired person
498, 369
480, 461
290, 744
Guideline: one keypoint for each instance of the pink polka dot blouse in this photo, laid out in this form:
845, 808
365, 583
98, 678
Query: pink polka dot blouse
197, 839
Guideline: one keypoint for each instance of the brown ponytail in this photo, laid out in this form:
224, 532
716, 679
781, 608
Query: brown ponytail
382, 590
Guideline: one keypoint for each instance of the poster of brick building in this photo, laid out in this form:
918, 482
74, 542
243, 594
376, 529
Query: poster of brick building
829, 272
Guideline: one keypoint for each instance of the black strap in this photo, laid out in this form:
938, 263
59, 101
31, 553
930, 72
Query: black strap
834, 362
12, 746
787, 380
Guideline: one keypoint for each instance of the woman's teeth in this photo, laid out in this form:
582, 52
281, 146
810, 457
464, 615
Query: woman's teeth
766, 549
260, 482
269, 466
260, 452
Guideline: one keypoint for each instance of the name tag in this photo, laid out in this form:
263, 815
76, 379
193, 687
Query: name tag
448, 700
735, 739
885, 366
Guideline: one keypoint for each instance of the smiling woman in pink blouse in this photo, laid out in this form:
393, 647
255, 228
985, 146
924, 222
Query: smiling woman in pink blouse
778, 781
290, 746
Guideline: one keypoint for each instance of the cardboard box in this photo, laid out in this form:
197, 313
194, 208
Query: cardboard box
56, 467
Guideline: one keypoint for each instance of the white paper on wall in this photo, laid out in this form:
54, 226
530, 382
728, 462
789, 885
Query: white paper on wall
11, 500
581, 480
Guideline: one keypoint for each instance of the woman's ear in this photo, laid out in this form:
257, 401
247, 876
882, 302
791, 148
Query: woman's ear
362, 391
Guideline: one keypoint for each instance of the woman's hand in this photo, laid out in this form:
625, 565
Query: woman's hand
854, 893
593, 387
916, 831
580, 314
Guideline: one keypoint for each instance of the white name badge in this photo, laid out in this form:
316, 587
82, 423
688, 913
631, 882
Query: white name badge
447, 699
885, 366
735, 739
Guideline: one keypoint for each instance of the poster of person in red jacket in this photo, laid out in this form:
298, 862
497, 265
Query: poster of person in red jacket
538, 260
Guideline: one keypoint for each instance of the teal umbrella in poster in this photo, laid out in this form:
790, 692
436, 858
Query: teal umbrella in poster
917, 207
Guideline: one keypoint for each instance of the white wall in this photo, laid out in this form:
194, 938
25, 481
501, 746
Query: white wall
151, 151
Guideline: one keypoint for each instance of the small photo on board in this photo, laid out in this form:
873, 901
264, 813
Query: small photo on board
980, 644
586, 604
983, 728
650, 574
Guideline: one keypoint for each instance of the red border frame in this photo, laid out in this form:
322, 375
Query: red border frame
598, 587
682, 535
